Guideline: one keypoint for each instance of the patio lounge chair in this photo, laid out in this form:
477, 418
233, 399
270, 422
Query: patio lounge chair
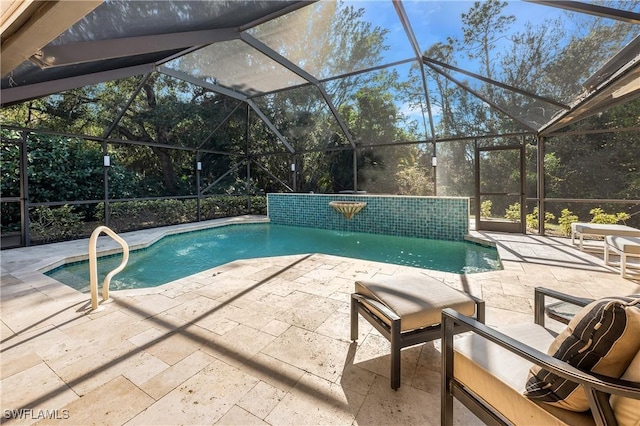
407, 310
580, 229
506, 375
624, 247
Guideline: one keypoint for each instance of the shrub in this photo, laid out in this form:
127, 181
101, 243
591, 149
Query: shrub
599, 216
223, 206
513, 212
532, 218
66, 223
485, 208
132, 215
413, 180
259, 205
565, 221
57, 224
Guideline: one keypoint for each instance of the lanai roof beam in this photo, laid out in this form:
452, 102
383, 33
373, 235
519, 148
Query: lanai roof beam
479, 95
203, 83
593, 9
496, 83
24, 93
97, 50
270, 125
263, 48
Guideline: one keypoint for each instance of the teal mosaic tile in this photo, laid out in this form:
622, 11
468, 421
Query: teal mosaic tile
439, 218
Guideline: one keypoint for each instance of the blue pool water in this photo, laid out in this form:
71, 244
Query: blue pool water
180, 255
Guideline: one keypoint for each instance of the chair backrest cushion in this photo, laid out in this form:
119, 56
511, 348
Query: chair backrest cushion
627, 410
601, 338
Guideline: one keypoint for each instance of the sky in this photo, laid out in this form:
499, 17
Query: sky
435, 20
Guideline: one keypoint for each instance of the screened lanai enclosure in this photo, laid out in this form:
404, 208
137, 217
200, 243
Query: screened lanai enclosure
137, 114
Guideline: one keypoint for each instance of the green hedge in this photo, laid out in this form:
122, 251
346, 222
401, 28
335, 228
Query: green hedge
48, 225
133, 215
51, 224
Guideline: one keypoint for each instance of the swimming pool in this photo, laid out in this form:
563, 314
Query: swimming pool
181, 255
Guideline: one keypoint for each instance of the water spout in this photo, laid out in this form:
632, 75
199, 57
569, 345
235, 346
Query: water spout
347, 208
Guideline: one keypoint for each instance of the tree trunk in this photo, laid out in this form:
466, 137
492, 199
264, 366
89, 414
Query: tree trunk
168, 173
164, 156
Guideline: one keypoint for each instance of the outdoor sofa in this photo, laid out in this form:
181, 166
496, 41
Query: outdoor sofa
489, 370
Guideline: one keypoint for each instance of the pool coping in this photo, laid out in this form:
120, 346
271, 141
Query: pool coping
44, 258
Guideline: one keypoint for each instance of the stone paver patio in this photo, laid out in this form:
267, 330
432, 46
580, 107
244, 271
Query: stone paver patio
260, 341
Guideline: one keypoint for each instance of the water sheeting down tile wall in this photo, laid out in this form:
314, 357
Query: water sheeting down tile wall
442, 218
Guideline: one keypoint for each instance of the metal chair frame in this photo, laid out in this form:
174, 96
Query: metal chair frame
399, 340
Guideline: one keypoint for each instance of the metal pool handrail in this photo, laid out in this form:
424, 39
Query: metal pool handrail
93, 264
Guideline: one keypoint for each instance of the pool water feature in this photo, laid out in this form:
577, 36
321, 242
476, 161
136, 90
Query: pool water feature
180, 255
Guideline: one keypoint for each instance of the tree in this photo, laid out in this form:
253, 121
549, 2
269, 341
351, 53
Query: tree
483, 26
172, 113
64, 169
363, 101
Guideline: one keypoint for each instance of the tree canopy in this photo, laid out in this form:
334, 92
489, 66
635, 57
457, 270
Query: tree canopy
157, 127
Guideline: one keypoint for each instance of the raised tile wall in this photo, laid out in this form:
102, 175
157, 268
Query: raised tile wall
442, 218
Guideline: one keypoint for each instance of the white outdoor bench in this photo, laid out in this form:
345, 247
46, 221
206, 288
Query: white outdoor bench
624, 247
580, 229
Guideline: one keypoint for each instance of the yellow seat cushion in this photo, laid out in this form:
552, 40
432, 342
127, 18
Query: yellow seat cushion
417, 299
627, 410
499, 376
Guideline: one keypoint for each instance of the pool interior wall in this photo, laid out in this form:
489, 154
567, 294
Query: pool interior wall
438, 218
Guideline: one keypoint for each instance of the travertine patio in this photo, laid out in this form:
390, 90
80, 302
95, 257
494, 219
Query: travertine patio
261, 341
